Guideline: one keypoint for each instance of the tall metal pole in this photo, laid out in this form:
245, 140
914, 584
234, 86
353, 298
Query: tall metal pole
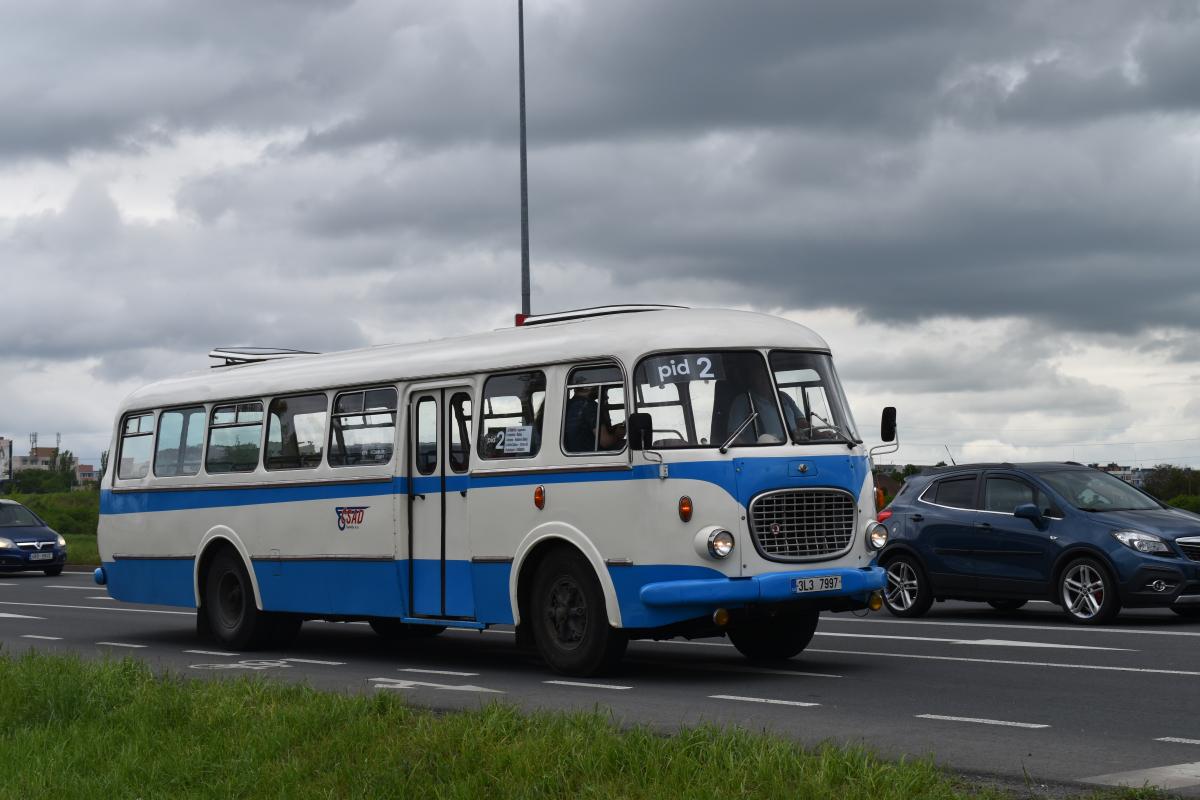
524, 168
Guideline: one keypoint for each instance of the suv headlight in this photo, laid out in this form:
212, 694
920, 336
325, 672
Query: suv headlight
7, 544
61, 541
1142, 542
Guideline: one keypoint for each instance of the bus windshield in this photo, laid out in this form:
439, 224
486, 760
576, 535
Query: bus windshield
702, 399
814, 407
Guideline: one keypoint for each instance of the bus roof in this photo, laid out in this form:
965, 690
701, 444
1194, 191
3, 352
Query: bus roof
625, 336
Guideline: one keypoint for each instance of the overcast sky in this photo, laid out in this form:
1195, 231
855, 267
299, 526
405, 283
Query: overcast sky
990, 210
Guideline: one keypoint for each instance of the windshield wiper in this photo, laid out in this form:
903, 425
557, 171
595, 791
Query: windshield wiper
837, 431
753, 416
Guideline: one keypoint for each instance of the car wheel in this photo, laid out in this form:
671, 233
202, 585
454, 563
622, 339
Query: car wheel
1007, 605
229, 603
1087, 593
53, 572
1186, 611
390, 628
569, 619
774, 638
907, 593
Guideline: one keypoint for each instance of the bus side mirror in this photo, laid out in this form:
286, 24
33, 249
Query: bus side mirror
887, 426
638, 428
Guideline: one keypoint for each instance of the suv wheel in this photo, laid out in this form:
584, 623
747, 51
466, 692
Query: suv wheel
907, 593
1087, 593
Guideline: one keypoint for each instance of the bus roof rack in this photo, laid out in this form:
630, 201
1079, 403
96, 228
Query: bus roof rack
235, 356
584, 313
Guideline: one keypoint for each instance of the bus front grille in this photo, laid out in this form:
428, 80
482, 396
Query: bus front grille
803, 524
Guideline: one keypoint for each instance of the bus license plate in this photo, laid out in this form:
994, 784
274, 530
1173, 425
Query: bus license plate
41, 556
821, 583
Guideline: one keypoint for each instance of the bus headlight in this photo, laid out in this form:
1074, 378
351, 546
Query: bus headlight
877, 536
720, 543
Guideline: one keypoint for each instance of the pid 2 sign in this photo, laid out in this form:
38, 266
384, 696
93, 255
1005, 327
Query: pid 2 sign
683, 368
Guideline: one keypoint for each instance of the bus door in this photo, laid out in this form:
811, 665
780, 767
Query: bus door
439, 457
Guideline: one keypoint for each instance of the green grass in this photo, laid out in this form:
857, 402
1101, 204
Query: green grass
67, 512
71, 728
82, 550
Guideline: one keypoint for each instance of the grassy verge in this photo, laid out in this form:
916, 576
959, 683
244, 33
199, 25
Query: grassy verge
81, 550
66, 512
71, 728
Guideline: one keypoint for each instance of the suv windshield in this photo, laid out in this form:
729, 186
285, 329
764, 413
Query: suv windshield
702, 399
14, 516
813, 404
1093, 490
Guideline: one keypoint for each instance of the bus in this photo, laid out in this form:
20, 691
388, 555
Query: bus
588, 477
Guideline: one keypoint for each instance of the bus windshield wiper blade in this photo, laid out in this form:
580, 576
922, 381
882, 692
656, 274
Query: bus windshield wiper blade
842, 437
725, 447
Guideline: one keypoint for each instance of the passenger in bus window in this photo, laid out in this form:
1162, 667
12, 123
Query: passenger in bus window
584, 430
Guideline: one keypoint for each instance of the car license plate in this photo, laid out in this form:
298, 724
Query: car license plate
821, 583
41, 556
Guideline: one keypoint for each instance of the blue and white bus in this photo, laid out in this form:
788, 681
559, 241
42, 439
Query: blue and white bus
589, 477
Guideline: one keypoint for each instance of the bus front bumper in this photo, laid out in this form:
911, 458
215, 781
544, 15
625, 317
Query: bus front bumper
772, 587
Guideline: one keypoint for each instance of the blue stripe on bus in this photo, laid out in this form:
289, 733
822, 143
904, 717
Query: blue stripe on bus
742, 478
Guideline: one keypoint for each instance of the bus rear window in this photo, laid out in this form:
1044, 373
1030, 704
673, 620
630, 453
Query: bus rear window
234, 437
137, 443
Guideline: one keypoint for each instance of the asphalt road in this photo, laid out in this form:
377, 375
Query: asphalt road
1012, 695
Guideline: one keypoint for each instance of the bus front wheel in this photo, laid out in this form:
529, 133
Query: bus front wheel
229, 605
569, 619
774, 638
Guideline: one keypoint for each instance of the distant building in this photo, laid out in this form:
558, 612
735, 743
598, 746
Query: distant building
6, 465
38, 458
86, 473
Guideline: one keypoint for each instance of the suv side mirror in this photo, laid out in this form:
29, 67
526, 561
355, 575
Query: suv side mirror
638, 429
887, 426
1028, 511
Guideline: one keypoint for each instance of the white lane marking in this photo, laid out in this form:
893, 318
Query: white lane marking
315, 661
76, 588
1011, 626
122, 644
392, 683
1174, 776
1145, 670
18, 616
585, 685
981, 721
984, 642
98, 608
100, 597
794, 673
762, 700
35, 636
1177, 740
211, 653
441, 672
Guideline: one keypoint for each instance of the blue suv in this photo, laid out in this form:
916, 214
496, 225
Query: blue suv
1010, 533
26, 542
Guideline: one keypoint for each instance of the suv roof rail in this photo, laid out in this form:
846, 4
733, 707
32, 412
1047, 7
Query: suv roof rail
584, 313
235, 356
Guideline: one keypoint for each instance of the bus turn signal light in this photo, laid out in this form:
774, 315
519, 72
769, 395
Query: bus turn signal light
879, 498
876, 601
685, 508
539, 497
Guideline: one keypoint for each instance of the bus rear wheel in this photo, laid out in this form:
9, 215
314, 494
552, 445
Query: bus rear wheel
774, 638
569, 619
229, 607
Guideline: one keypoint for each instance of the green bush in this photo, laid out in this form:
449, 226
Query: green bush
1188, 502
67, 512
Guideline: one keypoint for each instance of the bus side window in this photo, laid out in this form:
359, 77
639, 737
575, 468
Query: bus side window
363, 429
594, 410
510, 419
180, 442
233, 437
458, 424
296, 432
137, 442
426, 450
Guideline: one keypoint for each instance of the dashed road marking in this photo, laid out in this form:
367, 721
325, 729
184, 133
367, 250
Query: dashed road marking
99, 608
767, 700
1173, 776
983, 642
122, 644
1177, 740
47, 638
212, 653
585, 685
314, 661
101, 597
18, 616
962, 659
1008, 625
441, 672
981, 721
399, 683
76, 588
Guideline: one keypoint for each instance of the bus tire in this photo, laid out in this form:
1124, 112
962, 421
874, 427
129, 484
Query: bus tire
391, 628
776, 638
569, 618
229, 603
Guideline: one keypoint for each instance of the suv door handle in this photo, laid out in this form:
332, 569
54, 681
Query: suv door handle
917, 518
985, 525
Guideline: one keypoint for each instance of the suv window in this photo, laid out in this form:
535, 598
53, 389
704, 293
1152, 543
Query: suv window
1005, 494
955, 492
